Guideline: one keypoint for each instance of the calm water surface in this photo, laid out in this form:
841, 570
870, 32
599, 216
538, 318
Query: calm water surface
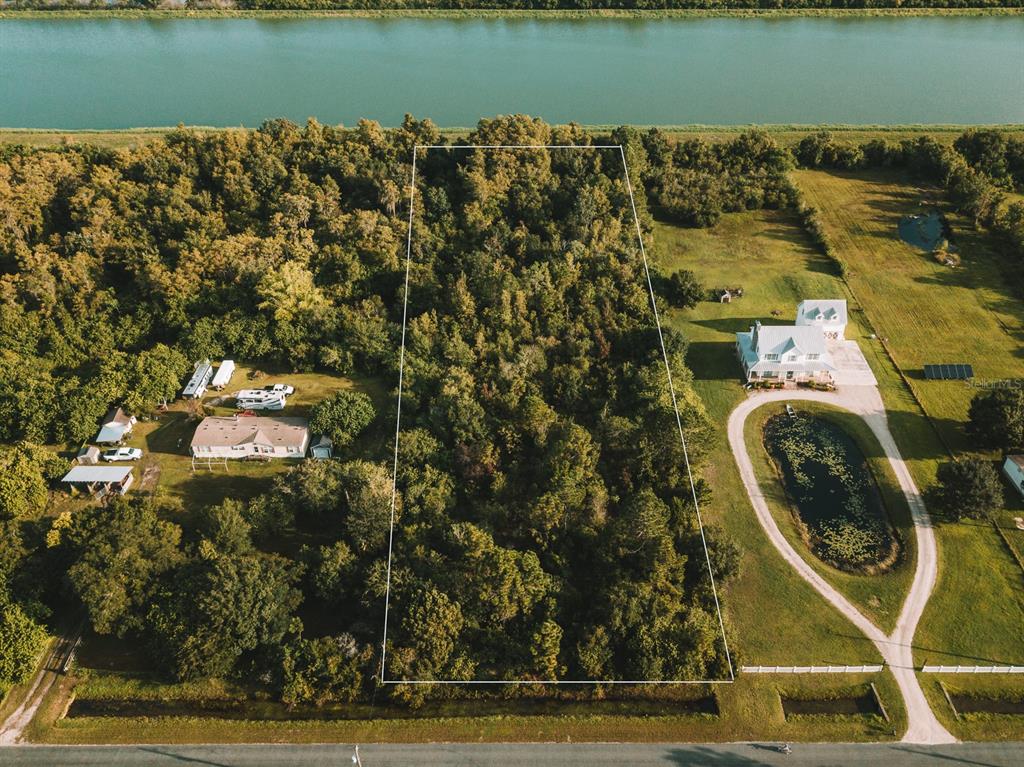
113, 73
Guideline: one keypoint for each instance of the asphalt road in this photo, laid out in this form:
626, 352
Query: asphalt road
518, 755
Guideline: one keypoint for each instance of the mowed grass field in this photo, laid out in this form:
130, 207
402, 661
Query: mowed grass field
931, 313
775, 617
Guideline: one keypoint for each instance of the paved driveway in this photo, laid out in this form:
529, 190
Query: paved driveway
853, 369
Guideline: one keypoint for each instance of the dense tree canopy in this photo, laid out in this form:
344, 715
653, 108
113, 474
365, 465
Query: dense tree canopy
967, 488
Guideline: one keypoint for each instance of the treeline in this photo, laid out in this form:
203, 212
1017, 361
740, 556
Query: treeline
534, 5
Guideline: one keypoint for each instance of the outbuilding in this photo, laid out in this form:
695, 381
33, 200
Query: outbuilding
828, 314
322, 447
1013, 468
116, 426
88, 456
100, 479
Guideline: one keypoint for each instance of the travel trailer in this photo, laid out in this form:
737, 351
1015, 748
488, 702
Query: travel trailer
258, 399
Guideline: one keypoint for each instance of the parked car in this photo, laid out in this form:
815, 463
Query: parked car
280, 389
121, 454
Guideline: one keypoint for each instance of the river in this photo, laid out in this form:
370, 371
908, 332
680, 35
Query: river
121, 73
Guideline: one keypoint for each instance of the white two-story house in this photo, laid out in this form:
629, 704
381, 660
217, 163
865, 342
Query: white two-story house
787, 353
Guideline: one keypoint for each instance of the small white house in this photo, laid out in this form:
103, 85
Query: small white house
116, 426
828, 314
243, 436
1013, 468
100, 479
196, 386
223, 376
786, 353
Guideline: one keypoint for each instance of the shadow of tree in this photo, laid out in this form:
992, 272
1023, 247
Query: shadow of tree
724, 755
713, 361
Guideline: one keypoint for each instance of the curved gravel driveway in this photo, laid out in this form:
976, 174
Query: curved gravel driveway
895, 648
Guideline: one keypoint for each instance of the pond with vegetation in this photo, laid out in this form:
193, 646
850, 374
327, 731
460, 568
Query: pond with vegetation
839, 509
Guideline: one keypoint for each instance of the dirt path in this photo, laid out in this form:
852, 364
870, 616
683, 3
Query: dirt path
52, 670
895, 648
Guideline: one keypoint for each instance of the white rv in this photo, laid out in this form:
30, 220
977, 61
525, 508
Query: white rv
258, 399
223, 375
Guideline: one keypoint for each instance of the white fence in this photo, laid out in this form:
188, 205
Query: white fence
811, 669
973, 669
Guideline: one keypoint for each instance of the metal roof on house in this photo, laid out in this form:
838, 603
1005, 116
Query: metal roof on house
780, 339
90, 474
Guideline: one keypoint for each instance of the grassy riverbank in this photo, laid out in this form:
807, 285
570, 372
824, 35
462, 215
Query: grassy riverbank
446, 13
788, 134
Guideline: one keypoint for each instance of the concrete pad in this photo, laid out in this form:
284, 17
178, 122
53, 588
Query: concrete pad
852, 368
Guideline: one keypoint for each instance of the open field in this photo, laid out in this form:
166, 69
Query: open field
776, 617
880, 596
928, 312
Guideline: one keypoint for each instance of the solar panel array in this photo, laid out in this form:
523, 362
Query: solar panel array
951, 372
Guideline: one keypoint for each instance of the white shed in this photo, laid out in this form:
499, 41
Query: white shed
223, 375
1013, 468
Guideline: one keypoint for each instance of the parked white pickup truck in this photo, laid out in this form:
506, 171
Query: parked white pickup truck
280, 389
121, 454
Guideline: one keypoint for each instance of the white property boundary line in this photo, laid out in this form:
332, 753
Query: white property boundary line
679, 424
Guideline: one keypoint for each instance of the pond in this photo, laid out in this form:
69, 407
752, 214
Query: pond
925, 231
839, 509
105, 73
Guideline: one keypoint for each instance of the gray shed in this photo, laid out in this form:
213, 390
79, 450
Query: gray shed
322, 447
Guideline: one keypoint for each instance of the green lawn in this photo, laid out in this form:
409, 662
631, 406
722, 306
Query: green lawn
749, 709
931, 313
975, 726
775, 616
166, 467
880, 596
